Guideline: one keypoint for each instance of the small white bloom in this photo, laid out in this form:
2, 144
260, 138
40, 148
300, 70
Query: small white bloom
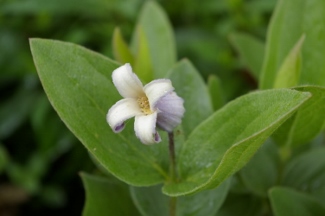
153, 104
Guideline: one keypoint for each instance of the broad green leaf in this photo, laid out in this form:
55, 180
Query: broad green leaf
310, 118
106, 198
216, 92
205, 203
227, 140
241, 204
120, 48
307, 122
261, 172
151, 201
289, 72
290, 20
286, 201
251, 51
190, 86
78, 84
160, 36
307, 173
142, 65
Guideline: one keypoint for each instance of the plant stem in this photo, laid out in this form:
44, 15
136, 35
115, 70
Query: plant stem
172, 157
173, 172
172, 206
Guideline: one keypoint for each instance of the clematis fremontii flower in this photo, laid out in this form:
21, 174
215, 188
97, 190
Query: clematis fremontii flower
153, 104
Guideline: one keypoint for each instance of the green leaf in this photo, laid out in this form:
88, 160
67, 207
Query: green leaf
78, 84
285, 201
251, 51
160, 36
216, 92
143, 66
120, 48
106, 198
151, 201
289, 72
306, 173
190, 86
261, 172
227, 140
205, 203
290, 20
307, 123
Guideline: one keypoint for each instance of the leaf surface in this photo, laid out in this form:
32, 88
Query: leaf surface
306, 123
143, 65
190, 86
216, 92
307, 173
261, 172
161, 42
106, 198
285, 201
151, 201
120, 48
78, 84
227, 140
289, 72
290, 20
251, 51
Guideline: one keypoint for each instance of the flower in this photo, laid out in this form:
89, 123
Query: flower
153, 104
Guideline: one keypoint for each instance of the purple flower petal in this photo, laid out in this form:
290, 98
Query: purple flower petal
170, 111
119, 128
157, 89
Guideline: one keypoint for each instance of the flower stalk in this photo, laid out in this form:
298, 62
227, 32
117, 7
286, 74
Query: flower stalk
172, 157
173, 171
172, 206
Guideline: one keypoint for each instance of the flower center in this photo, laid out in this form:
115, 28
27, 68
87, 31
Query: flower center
144, 105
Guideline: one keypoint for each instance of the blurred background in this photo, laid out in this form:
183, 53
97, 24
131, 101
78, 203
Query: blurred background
39, 157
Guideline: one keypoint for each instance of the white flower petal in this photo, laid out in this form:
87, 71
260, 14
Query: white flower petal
121, 111
145, 128
127, 82
170, 111
157, 89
